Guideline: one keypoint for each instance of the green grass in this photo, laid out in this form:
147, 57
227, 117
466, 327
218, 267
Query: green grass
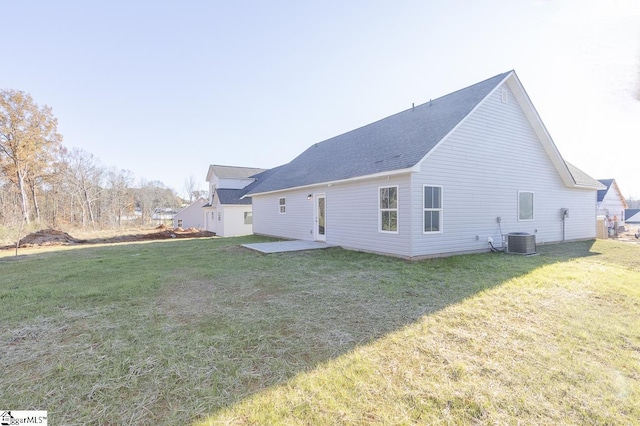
204, 330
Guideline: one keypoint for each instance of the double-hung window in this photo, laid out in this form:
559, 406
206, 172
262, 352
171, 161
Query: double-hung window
432, 209
388, 202
525, 205
283, 205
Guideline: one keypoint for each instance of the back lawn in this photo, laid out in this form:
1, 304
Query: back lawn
206, 331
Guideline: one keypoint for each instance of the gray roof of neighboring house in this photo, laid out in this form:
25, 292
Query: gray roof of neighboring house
394, 143
603, 192
237, 196
581, 178
232, 172
232, 196
629, 213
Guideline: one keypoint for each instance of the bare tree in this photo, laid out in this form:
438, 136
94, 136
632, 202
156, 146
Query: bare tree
85, 175
119, 194
28, 139
192, 189
152, 196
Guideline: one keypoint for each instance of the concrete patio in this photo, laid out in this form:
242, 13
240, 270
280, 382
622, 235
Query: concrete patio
284, 246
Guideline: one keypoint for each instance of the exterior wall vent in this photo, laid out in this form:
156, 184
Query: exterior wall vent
521, 243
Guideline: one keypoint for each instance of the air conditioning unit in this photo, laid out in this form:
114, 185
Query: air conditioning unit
521, 243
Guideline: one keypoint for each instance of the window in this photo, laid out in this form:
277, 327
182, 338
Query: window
432, 209
219, 216
179, 223
248, 218
283, 205
389, 209
525, 205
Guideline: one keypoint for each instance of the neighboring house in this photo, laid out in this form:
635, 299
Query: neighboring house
227, 213
436, 179
163, 215
191, 216
632, 215
611, 203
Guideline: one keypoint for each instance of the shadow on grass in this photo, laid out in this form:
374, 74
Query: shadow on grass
140, 333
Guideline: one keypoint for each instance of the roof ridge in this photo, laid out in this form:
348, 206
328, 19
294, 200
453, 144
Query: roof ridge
430, 102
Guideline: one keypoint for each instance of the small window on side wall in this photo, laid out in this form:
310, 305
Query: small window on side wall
525, 205
248, 218
283, 205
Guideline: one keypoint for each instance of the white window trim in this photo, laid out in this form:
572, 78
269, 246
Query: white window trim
280, 206
397, 210
533, 213
441, 210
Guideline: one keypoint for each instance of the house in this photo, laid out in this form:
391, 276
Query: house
227, 213
611, 203
162, 215
632, 215
191, 216
440, 178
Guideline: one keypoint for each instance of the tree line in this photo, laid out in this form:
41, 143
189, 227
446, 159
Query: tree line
43, 182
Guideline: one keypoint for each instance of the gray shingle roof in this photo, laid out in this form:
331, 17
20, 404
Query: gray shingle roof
232, 196
629, 215
581, 178
603, 192
231, 172
393, 143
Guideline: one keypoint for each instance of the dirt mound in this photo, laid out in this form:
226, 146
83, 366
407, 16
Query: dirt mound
47, 237
52, 237
178, 233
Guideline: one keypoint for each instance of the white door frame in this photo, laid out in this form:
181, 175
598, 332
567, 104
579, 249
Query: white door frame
319, 230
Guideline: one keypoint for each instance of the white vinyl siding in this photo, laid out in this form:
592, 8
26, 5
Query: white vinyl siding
297, 223
483, 164
352, 210
230, 220
192, 216
388, 205
235, 220
432, 201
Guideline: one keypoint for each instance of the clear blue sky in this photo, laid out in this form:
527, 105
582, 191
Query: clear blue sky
165, 88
